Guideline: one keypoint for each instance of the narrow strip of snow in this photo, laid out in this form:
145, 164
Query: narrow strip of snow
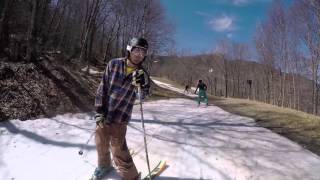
91, 71
173, 88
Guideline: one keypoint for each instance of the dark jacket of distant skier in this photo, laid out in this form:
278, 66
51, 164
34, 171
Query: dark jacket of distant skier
202, 95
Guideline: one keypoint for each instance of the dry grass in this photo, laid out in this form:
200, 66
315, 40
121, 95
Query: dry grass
298, 126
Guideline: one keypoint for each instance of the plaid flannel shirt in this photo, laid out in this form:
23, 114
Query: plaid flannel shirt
116, 94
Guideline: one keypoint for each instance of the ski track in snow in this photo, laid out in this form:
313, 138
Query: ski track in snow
196, 142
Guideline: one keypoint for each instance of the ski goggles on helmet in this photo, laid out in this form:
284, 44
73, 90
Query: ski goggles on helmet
139, 50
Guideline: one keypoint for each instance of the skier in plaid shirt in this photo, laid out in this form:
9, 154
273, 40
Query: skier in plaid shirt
114, 102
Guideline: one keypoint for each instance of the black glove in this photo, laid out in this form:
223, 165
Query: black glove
141, 79
100, 120
138, 78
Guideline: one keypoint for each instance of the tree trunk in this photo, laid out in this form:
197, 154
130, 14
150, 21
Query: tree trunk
111, 37
215, 86
90, 56
31, 49
102, 40
63, 37
4, 34
46, 36
226, 77
268, 93
234, 86
298, 100
91, 21
272, 90
294, 92
226, 84
283, 85
44, 7
238, 84
118, 45
314, 88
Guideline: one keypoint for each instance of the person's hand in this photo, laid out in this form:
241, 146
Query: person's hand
138, 78
100, 120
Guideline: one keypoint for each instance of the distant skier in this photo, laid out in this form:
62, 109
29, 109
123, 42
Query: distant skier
186, 89
202, 95
114, 102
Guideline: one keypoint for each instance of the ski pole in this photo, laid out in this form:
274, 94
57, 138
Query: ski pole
80, 152
82, 147
143, 129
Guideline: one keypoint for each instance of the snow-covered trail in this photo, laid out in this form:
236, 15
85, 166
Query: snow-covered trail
209, 143
197, 143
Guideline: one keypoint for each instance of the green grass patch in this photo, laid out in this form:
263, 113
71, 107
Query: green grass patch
298, 126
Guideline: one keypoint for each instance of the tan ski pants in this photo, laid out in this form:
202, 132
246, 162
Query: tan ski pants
113, 137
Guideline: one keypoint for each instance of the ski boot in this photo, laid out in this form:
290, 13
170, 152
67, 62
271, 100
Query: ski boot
101, 172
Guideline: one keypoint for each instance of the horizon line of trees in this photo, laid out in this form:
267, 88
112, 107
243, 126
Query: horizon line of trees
83, 29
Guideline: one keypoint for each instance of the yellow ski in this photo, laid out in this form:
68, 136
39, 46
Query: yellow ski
161, 166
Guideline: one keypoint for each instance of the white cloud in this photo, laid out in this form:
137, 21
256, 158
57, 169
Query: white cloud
223, 23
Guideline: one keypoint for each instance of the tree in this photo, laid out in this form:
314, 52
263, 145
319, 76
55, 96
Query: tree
306, 13
4, 17
32, 39
223, 49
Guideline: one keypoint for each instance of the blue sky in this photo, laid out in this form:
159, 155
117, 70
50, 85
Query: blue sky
201, 23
